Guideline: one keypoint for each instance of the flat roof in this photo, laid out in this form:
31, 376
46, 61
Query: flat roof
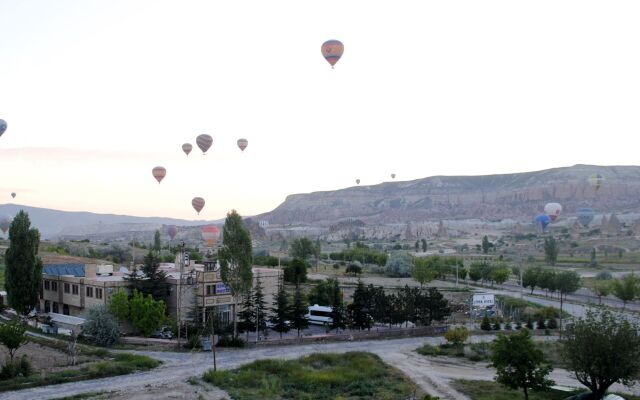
66, 319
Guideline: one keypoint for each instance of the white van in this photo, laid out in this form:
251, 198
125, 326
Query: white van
319, 315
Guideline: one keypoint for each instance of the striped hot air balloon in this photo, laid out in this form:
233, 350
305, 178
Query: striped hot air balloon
332, 51
3, 126
357, 181
242, 143
210, 234
5, 223
172, 231
553, 210
187, 147
204, 142
198, 204
159, 173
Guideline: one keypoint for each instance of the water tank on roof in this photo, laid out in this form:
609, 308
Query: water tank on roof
104, 269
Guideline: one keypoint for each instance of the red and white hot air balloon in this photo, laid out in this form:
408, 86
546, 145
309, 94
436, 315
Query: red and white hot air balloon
187, 147
332, 51
198, 204
210, 234
553, 210
172, 231
204, 142
243, 143
159, 173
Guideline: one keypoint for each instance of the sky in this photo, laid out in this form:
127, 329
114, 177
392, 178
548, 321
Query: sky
97, 93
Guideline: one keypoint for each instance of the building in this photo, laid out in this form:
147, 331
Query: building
73, 289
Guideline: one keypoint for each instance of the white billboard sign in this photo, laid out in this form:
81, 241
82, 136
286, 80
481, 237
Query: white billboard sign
483, 300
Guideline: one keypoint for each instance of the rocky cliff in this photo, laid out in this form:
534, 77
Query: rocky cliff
490, 197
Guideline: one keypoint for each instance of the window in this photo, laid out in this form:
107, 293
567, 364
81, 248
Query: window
74, 289
211, 290
54, 286
55, 307
98, 293
89, 291
46, 286
67, 288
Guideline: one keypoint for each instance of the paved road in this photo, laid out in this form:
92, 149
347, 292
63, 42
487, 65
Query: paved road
431, 374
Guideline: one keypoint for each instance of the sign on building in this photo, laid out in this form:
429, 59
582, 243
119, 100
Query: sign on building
484, 300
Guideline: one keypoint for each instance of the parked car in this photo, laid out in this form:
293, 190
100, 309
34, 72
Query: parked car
163, 333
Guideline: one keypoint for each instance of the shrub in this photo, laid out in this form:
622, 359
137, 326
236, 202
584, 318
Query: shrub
485, 325
604, 276
101, 327
540, 323
230, 341
457, 336
398, 264
529, 324
552, 324
518, 325
14, 369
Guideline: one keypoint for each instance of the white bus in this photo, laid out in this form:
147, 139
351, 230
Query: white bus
319, 315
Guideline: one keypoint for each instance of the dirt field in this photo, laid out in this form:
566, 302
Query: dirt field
41, 357
169, 390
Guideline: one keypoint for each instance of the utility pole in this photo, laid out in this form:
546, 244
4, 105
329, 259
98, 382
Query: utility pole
213, 342
179, 300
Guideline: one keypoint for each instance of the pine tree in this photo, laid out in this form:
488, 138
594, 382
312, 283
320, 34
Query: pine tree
360, 308
338, 312
260, 307
152, 281
485, 325
281, 311
235, 259
247, 315
157, 244
298, 311
23, 266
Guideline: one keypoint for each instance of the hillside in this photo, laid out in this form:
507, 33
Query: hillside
490, 197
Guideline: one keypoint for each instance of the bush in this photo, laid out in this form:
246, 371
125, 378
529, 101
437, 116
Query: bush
604, 276
496, 326
529, 324
540, 323
552, 324
17, 368
507, 326
230, 341
485, 325
518, 325
457, 336
101, 327
399, 264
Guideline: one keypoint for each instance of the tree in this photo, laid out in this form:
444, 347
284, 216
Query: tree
531, 277
593, 262
322, 293
235, 259
519, 363
338, 312
102, 327
424, 246
626, 289
119, 305
474, 274
485, 325
281, 311
247, 314
150, 280
457, 336
147, 314
500, 274
551, 249
380, 304
298, 311
432, 306
486, 244
354, 268
13, 335
602, 349
417, 246
23, 275
359, 310
302, 248
157, 245
296, 271
422, 272
398, 264
601, 289
566, 282
547, 281
260, 306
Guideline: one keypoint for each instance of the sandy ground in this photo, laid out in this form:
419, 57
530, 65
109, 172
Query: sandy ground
41, 357
170, 390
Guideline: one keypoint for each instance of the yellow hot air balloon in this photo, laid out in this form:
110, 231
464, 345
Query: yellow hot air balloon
159, 173
332, 51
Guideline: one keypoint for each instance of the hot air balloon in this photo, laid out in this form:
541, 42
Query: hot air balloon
187, 147
585, 215
357, 181
393, 176
204, 142
332, 51
596, 180
172, 231
197, 203
13, 195
3, 126
242, 143
210, 234
5, 223
553, 210
542, 221
159, 173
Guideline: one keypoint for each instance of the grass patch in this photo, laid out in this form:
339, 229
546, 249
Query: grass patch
89, 395
489, 390
121, 364
354, 375
441, 350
